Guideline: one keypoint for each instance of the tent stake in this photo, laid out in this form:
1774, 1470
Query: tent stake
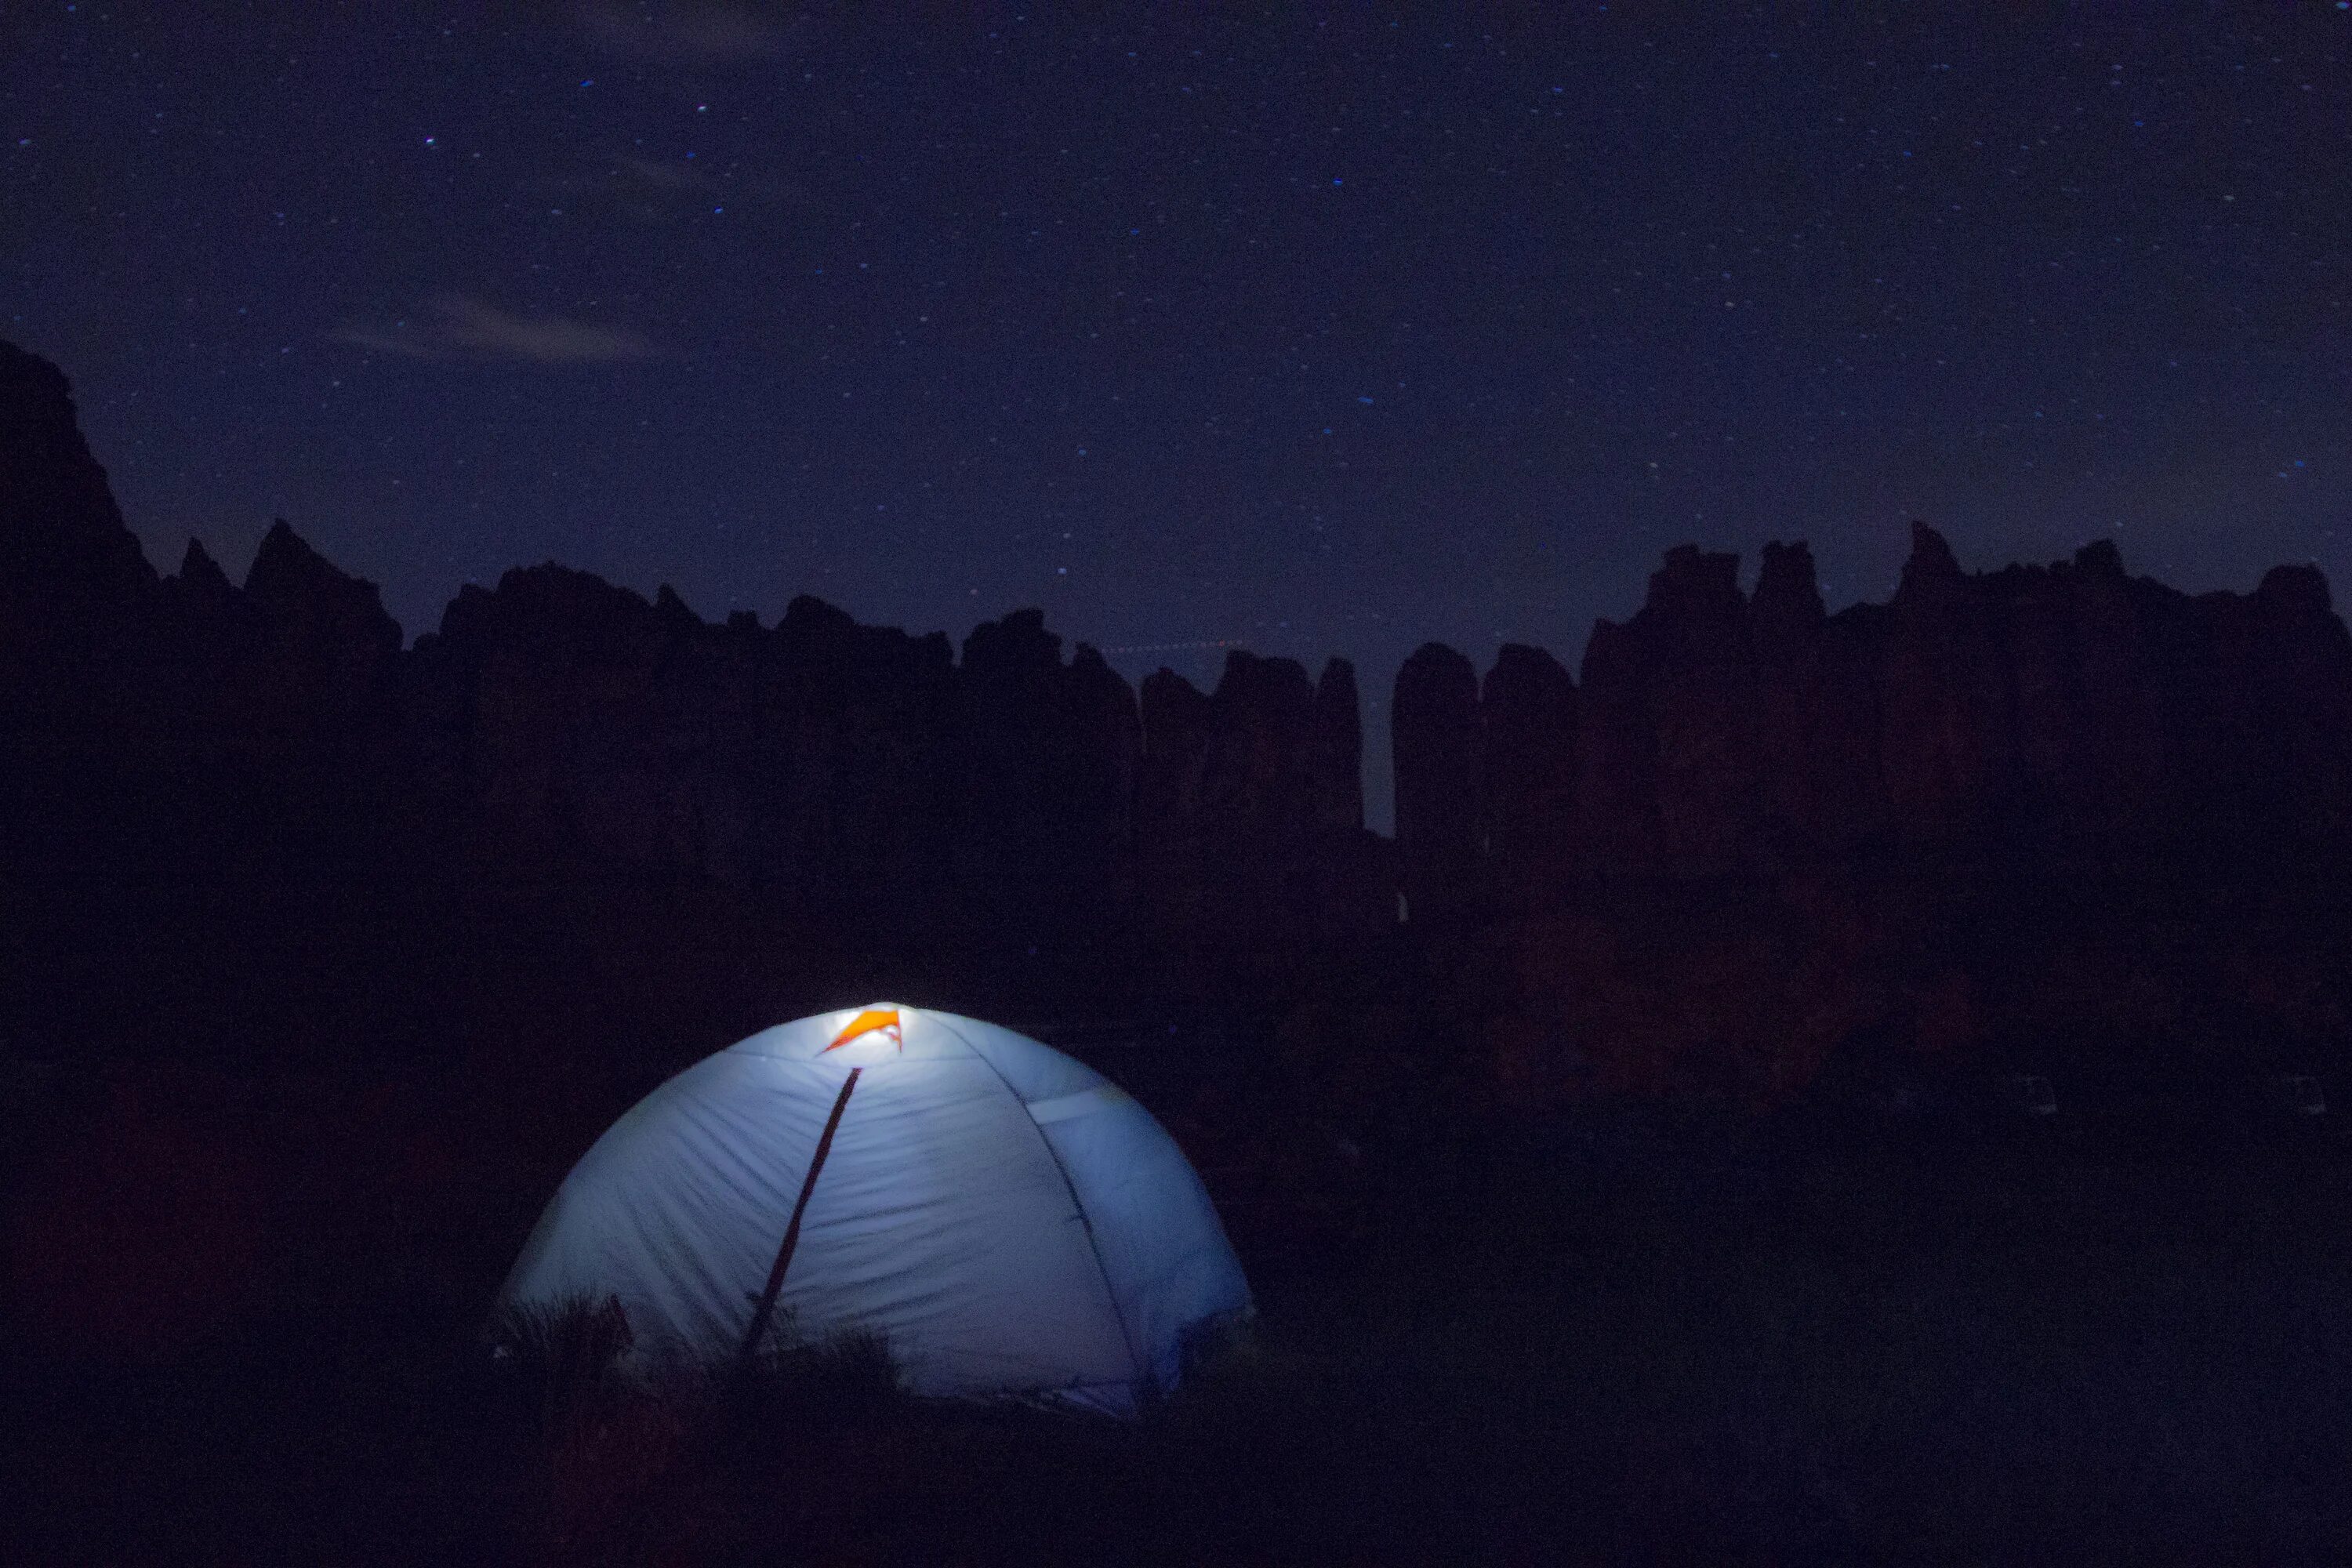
767, 1307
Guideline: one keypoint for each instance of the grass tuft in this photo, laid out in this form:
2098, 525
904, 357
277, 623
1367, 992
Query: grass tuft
565, 1354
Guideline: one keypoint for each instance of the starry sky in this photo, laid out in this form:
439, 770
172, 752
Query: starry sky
1316, 328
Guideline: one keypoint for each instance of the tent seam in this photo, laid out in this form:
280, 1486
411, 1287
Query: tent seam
1093, 1249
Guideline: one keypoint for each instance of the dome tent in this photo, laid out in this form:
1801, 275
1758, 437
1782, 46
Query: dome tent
1007, 1219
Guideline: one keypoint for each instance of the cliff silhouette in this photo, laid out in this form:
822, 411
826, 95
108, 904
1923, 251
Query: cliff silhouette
2044, 811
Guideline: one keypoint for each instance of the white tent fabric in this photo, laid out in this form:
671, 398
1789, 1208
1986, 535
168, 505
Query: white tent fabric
1006, 1218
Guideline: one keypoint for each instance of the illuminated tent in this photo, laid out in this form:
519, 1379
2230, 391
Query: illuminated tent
1009, 1220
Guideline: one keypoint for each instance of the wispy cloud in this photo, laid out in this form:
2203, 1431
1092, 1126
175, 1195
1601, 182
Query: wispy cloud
470, 323
393, 340
458, 326
649, 179
697, 32
668, 176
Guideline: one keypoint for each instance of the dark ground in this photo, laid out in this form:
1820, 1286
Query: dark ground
247, 1317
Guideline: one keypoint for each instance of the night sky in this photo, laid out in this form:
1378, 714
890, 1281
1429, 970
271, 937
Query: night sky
1325, 329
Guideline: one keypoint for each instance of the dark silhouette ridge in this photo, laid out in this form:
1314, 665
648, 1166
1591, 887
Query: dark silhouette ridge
1434, 739
2039, 811
1713, 729
2003, 814
1530, 717
62, 535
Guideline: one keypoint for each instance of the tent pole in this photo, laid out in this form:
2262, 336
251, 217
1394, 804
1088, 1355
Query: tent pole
767, 1307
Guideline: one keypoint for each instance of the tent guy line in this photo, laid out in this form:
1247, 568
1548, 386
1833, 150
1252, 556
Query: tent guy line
767, 1307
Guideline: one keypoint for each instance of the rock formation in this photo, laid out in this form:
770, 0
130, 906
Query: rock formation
1435, 738
1845, 817
1249, 816
1713, 730
1744, 830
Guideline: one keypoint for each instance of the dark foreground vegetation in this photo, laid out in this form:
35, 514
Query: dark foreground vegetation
250, 1324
